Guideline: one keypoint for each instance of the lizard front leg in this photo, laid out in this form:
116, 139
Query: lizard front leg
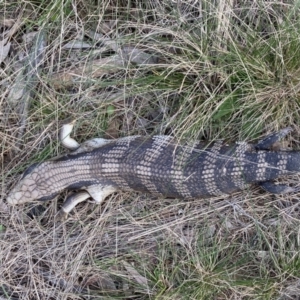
97, 192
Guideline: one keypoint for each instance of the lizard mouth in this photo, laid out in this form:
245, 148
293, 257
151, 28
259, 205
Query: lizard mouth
18, 197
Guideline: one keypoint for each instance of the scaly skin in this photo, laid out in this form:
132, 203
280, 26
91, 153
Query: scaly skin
157, 165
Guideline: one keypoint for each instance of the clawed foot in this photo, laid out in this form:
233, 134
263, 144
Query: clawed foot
70, 203
269, 141
65, 139
278, 188
61, 216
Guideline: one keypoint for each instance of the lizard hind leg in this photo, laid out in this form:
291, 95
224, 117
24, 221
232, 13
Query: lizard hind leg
70, 204
65, 139
269, 141
278, 188
74, 146
99, 192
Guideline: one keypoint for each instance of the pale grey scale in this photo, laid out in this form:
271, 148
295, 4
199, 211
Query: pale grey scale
154, 152
183, 192
240, 183
217, 145
282, 160
237, 171
144, 173
163, 140
126, 140
117, 152
109, 166
179, 184
261, 166
213, 153
240, 154
177, 172
243, 147
209, 170
63, 174
166, 178
119, 181
144, 168
122, 145
158, 144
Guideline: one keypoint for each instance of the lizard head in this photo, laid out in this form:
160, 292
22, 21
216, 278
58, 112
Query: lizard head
32, 186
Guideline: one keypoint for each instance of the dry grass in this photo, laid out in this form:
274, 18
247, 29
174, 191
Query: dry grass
196, 69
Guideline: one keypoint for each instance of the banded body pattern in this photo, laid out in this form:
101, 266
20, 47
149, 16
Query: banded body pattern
237, 171
210, 171
158, 165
